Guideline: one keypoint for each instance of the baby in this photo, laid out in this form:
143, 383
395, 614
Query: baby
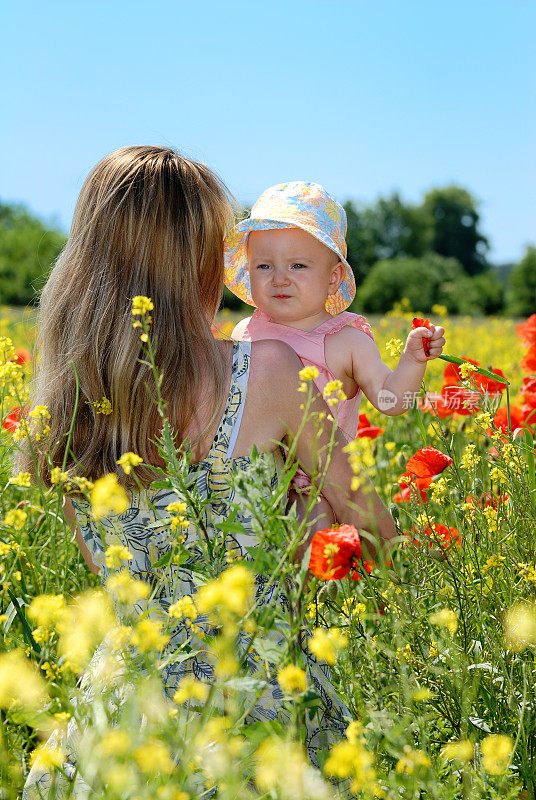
289, 260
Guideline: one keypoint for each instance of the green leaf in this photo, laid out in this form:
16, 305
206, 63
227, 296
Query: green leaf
531, 465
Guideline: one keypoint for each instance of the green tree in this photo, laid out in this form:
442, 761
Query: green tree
425, 281
28, 247
521, 292
389, 228
454, 217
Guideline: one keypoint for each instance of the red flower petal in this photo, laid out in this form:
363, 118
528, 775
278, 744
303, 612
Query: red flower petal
366, 429
427, 462
11, 422
500, 420
333, 552
22, 356
460, 400
527, 330
528, 362
422, 323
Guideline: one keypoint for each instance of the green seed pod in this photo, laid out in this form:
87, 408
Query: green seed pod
478, 486
332, 589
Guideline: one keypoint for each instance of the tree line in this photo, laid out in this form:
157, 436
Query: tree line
433, 253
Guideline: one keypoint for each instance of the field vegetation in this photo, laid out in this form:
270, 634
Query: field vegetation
432, 652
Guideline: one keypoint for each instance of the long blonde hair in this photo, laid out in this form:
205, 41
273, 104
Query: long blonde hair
147, 222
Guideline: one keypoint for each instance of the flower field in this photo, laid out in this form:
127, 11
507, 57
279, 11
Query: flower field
432, 649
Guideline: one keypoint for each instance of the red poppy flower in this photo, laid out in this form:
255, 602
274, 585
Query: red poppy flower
12, 421
500, 420
366, 566
410, 486
334, 552
366, 429
527, 330
22, 356
486, 499
444, 534
422, 323
427, 462
460, 400
452, 373
528, 362
528, 410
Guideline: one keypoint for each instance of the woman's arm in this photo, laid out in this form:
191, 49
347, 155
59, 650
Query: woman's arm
68, 513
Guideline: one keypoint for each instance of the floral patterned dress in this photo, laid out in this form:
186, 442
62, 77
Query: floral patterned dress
211, 478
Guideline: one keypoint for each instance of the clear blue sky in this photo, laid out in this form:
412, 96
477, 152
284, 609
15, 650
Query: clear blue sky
363, 96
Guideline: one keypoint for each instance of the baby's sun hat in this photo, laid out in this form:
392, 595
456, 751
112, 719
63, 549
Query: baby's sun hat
297, 204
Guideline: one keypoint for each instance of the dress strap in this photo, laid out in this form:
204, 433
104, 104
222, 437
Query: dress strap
224, 441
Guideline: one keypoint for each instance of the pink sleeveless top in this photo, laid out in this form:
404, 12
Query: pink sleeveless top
309, 346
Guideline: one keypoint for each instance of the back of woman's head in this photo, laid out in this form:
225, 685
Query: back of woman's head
147, 222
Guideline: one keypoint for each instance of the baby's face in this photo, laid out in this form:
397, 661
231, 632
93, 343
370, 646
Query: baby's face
291, 274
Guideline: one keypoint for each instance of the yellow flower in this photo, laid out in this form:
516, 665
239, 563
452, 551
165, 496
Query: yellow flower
422, 694
349, 759
114, 743
460, 751
445, 619
84, 626
466, 369
308, 373
115, 555
107, 497
292, 678
177, 507
22, 480
47, 610
57, 476
128, 461
439, 489
19, 682
468, 460
325, 644
433, 651
334, 387
83, 484
103, 406
183, 608
45, 757
7, 350
231, 592
520, 627
412, 759
191, 689
282, 771
148, 635
127, 588
394, 347
141, 305
153, 757
15, 518
497, 750
39, 413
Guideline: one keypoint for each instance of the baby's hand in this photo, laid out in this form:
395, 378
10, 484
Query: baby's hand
424, 344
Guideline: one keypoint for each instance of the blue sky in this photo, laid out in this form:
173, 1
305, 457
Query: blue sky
363, 96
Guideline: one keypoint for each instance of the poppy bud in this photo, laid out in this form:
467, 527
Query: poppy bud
401, 461
478, 486
394, 511
332, 589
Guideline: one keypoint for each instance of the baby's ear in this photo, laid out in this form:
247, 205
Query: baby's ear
337, 274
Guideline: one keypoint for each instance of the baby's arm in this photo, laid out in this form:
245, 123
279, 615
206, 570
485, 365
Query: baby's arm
389, 390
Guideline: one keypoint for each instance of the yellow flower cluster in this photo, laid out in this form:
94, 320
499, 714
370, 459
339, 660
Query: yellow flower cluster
394, 347
446, 618
7, 350
497, 751
458, 751
411, 759
231, 592
15, 518
191, 689
108, 497
153, 757
102, 406
308, 374
467, 369
115, 555
57, 476
177, 518
184, 608
128, 461
282, 771
141, 305
468, 459
292, 679
361, 460
333, 392
148, 635
20, 684
350, 759
126, 588
326, 644
520, 627
22, 480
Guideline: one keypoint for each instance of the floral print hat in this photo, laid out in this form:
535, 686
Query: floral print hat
297, 204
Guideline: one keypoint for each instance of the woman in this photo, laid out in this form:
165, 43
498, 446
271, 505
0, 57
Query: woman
151, 223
